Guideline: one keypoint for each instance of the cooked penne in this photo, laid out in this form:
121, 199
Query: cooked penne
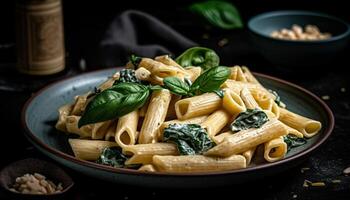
155, 116
167, 60
237, 74
233, 103
249, 76
221, 137
63, 113
249, 155
110, 135
275, 149
198, 163
248, 99
147, 168
193, 73
126, 133
308, 127
171, 114
292, 131
80, 104
196, 106
89, 149
143, 74
94, 131
143, 153
247, 139
215, 122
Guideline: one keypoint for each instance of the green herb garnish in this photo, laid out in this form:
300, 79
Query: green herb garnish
251, 118
198, 56
293, 141
112, 156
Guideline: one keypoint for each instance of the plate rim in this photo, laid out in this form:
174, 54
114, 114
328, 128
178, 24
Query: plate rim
36, 141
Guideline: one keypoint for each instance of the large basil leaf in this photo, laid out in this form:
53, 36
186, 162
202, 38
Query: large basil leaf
198, 56
127, 76
176, 86
116, 101
251, 118
293, 141
112, 156
190, 138
211, 79
219, 13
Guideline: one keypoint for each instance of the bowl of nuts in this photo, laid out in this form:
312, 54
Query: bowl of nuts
33, 179
298, 40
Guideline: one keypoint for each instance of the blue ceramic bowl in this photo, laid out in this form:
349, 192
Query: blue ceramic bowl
294, 55
40, 115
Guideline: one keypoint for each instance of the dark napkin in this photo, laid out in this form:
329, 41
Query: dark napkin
136, 32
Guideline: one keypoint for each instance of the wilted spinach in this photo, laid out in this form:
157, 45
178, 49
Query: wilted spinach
198, 56
127, 76
112, 156
251, 118
190, 138
293, 141
219, 13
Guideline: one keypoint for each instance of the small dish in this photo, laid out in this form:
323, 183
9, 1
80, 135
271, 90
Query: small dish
296, 55
9, 174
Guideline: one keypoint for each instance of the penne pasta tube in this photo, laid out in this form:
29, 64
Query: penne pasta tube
233, 103
80, 104
248, 99
155, 116
308, 127
215, 122
292, 131
125, 133
195, 120
248, 74
247, 139
249, 155
72, 127
63, 113
275, 149
237, 74
147, 168
221, 137
167, 60
143, 74
196, 106
197, 163
89, 149
111, 131
193, 73
143, 153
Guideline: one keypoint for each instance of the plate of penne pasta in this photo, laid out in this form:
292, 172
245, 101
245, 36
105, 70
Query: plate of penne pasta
182, 122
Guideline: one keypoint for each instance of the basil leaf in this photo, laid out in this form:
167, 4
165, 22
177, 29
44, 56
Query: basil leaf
127, 76
176, 86
251, 118
116, 101
293, 141
112, 156
190, 138
198, 56
211, 79
155, 87
219, 13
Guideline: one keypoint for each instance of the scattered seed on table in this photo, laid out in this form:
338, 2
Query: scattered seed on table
325, 97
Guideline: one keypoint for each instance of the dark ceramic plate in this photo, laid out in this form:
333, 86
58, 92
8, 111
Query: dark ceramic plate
40, 114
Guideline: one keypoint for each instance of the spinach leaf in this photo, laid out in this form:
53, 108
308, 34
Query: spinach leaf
135, 60
251, 118
211, 79
116, 101
190, 138
112, 156
198, 56
277, 99
176, 86
219, 13
127, 76
293, 141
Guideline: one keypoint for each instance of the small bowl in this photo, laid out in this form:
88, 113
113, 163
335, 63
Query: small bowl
52, 172
296, 55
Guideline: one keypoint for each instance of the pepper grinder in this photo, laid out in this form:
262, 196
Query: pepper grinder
39, 37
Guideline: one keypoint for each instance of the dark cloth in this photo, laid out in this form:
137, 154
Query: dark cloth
136, 32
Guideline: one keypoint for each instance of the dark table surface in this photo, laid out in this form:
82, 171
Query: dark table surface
326, 164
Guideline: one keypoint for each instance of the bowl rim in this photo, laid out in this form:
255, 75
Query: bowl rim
38, 143
299, 12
